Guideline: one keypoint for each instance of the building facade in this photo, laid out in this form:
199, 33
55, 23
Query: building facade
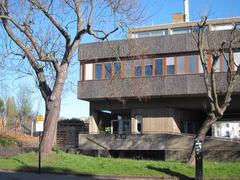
152, 82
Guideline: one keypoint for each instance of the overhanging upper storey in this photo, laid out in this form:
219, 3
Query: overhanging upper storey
148, 46
164, 65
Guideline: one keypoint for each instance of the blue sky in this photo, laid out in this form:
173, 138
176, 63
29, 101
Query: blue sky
156, 12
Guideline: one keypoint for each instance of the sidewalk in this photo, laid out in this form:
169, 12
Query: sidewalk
14, 175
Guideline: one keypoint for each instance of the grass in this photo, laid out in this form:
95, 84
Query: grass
7, 141
79, 164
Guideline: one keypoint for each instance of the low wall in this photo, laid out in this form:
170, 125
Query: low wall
175, 146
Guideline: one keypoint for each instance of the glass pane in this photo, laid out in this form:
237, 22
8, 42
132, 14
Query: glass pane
180, 30
127, 69
98, 71
170, 65
192, 64
159, 66
138, 68
200, 67
108, 70
217, 67
144, 34
225, 60
236, 59
180, 65
170, 69
148, 67
117, 68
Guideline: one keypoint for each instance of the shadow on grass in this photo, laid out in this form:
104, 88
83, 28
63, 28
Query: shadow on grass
171, 173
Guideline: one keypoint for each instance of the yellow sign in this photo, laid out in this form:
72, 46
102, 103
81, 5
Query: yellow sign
40, 118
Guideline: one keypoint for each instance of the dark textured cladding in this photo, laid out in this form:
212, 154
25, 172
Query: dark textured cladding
180, 85
179, 43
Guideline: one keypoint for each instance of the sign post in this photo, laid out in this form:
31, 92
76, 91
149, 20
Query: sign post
39, 129
198, 159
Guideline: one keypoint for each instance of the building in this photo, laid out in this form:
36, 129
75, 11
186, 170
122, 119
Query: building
227, 128
151, 83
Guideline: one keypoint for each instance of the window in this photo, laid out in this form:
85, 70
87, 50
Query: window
200, 67
159, 32
98, 71
108, 70
159, 66
180, 30
217, 67
138, 68
88, 72
221, 27
227, 134
225, 60
143, 34
192, 64
170, 65
180, 65
117, 68
236, 59
127, 68
148, 67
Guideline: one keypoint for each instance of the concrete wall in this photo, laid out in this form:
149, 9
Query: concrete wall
149, 87
169, 44
176, 147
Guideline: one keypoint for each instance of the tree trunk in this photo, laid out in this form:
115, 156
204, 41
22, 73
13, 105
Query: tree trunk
50, 125
201, 136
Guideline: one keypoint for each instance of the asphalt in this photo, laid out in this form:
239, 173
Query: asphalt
16, 175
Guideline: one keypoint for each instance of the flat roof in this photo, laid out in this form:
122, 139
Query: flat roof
183, 24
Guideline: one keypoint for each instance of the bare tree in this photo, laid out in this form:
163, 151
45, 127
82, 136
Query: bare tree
47, 34
217, 100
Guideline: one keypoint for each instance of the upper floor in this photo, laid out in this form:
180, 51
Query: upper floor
169, 61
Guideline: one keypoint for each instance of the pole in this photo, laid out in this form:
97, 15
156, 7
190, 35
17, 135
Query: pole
198, 160
39, 154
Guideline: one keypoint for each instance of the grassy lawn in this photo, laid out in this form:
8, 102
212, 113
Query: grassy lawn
79, 164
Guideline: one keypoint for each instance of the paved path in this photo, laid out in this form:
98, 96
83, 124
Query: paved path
13, 175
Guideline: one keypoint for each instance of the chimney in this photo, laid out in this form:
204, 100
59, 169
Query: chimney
186, 11
177, 17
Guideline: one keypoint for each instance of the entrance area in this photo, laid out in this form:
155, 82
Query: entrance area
114, 122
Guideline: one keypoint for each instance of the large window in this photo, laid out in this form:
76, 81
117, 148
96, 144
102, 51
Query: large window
98, 71
170, 65
127, 68
88, 72
159, 66
107, 70
138, 68
180, 65
192, 64
117, 69
148, 67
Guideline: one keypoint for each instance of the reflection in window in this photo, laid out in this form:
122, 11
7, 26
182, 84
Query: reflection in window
159, 66
180, 65
108, 70
170, 65
192, 64
117, 68
98, 71
148, 67
127, 68
138, 68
